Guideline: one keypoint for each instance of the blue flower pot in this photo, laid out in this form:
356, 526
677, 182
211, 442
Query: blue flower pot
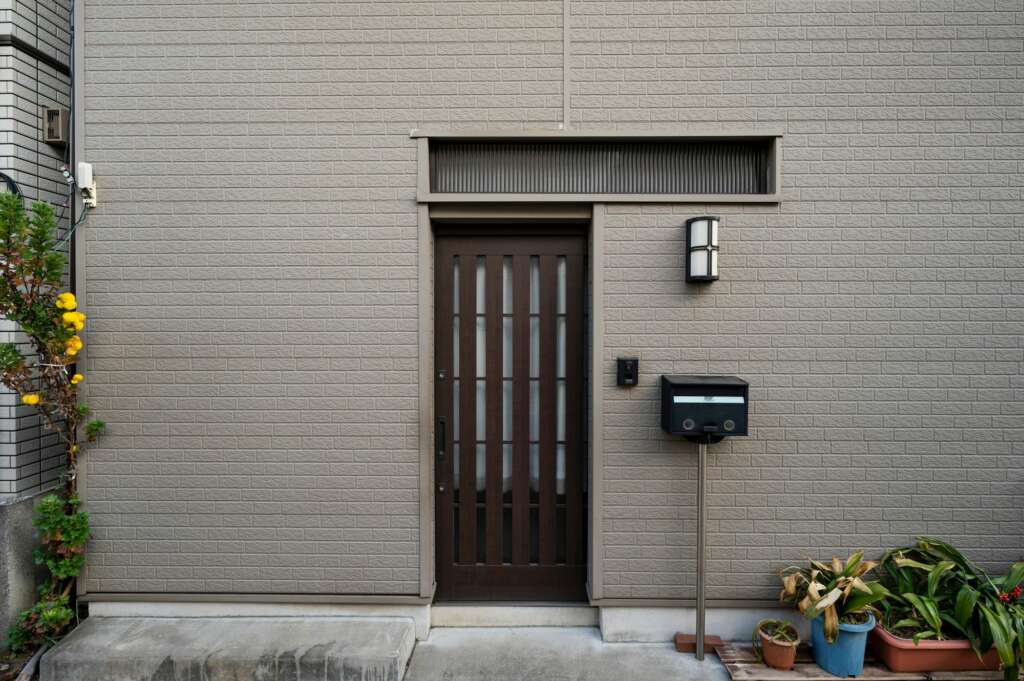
845, 657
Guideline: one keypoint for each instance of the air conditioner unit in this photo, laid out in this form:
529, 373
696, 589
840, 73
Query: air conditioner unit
55, 125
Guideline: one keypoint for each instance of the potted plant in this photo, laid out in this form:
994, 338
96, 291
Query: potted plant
775, 643
947, 614
840, 604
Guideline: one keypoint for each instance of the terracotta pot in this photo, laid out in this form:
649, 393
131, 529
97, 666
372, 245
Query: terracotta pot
901, 655
778, 654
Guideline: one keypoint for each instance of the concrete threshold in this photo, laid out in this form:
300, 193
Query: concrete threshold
228, 649
550, 654
513, 615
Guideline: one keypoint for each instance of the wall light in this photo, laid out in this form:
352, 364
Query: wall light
702, 249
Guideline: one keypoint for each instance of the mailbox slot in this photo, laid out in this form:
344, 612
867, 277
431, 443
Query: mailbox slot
704, 407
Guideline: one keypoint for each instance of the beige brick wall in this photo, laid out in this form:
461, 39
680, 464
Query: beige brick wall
252, 279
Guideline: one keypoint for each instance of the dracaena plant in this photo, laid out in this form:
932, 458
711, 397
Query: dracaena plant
42, 374
937, 592
838, 592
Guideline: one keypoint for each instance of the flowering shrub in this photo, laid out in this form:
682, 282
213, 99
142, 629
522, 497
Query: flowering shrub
31, 278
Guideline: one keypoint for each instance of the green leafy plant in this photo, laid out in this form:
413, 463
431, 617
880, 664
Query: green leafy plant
43, 375
838, 592
776, 630
938, 593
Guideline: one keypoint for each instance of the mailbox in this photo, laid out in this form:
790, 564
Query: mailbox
704, 407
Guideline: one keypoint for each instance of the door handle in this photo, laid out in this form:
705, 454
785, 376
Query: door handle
441, 436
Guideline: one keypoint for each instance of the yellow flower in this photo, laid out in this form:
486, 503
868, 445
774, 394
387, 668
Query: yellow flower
30, 399
73, 345
74, 319
77, 378
66, 301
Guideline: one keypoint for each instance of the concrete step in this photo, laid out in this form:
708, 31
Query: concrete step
231, 648
551, 654
513, 615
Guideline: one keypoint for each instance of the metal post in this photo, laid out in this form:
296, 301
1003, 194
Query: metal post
702, 456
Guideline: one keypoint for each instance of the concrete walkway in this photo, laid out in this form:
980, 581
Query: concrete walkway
551, 654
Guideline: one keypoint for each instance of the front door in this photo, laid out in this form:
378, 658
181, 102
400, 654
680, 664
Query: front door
510, 456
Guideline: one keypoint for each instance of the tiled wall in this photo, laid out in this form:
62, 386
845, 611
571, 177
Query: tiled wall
251, 279
30, 458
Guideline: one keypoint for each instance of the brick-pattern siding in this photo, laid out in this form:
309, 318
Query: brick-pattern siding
252, 285
30, 455
877, 312
251, 277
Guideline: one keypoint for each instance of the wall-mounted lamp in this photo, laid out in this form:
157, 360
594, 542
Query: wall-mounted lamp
702, 249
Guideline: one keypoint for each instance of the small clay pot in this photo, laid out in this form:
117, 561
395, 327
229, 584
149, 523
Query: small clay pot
778, 654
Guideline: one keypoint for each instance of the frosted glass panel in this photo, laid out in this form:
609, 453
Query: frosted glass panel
455, 409
481, 467
455, 284
560, 349
535, 347
506, 468
561, 284
560, 469
699, 233
535, 468
534, 285
481, 347
534, 410
481, 285
714, 263
506, 347
714, 232
481, 410
455, 345
560, 410
506, 410
699, 263
507, 299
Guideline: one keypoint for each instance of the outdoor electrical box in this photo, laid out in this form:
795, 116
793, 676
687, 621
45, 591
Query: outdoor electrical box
704, 408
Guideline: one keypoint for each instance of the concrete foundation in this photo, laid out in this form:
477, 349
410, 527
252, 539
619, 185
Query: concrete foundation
623, 625
17, 569
547, 653
227, 649
419, 614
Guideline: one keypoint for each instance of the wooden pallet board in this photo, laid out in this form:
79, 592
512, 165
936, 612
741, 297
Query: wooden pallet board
743, 665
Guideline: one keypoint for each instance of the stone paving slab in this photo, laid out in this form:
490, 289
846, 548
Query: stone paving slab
233, 649
551, 654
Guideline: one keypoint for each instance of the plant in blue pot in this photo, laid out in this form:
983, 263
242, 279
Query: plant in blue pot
841, 604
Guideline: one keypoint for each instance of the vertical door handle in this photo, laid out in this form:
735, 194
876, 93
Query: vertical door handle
441, 437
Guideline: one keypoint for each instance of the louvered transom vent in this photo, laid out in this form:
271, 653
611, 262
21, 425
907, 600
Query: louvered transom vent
603, 167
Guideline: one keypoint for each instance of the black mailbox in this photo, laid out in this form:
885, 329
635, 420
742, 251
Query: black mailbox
704, 407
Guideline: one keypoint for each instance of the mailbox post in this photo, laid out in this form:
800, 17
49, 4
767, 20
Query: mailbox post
703, 409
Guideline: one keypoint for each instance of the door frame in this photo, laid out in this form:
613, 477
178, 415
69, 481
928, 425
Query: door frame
591, 216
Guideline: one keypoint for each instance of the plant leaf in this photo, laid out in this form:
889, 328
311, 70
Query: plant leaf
909, 562
936, 574
1002, 639
963, 610
923, 634
927, 608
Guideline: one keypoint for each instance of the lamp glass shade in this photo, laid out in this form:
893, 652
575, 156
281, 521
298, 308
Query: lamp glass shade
714, 264
698, 233
699, 263
714, 232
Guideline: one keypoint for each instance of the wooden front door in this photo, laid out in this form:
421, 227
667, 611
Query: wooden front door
510, 456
